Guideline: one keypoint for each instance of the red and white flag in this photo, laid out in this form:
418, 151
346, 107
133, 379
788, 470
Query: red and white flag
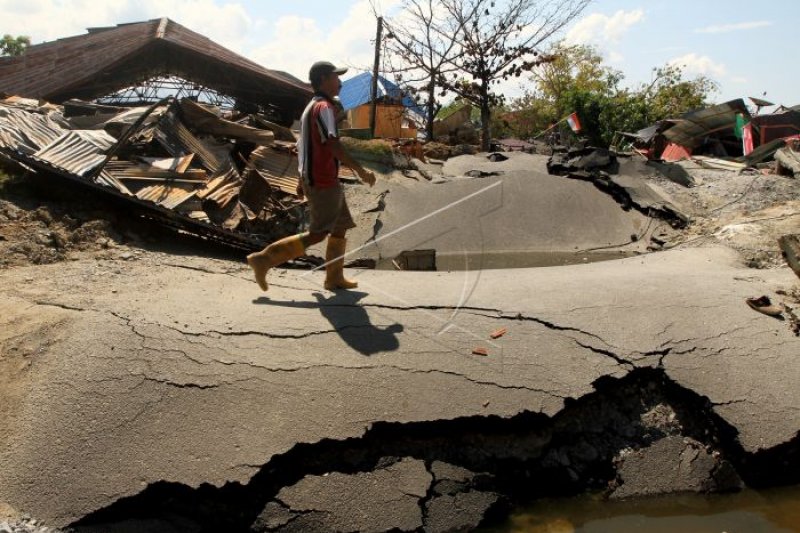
574, 122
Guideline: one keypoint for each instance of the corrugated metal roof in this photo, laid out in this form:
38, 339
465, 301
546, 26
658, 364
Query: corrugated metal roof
169, 196
31, 131
179, 141
692, 128
73, 153
278, 167
99, 62
106, 179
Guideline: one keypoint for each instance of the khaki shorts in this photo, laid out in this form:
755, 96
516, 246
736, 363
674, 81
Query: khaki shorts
328, 211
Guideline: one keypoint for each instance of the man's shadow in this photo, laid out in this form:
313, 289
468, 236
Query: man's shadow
350, 320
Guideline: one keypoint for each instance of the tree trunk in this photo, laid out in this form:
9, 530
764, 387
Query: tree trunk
431, 111
486, 118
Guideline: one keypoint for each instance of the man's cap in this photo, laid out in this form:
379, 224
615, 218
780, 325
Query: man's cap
323, 68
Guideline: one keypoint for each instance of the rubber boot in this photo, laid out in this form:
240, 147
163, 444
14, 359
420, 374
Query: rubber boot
273, 255
334, 268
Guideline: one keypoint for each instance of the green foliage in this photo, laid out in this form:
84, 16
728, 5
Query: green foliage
578, 81
670, 95
574, 68
14, 46
522, 118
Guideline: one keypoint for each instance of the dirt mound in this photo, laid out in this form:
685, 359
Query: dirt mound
747, 211
48, 234
41, 225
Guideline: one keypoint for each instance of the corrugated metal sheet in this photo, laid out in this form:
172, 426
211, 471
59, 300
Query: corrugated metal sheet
675, 152
169, 193
179, 141
131, 170
99, 138
692, 128
73, 153
278, 167
107, 180
230, 176
28, 131
169, 196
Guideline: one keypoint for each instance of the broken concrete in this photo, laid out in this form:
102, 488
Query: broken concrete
519, 210
673, 464
119, 381
386, 499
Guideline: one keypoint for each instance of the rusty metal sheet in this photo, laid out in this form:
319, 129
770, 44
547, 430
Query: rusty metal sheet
218, 181
169, 196
31, 130
278, 167
107, 180
145, 172
173, 190
179, 141
73, 153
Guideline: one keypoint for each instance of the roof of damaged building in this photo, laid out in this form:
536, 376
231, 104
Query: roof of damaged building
108, 59
177, 162
690, 129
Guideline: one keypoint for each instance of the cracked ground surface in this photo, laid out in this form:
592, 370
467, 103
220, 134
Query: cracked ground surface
115, 375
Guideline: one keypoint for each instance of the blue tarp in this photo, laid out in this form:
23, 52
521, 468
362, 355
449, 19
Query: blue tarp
356, 92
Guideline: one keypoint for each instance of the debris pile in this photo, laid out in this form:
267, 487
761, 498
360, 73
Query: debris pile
624, 182
48, 234
230, 179
727, 137
582, 161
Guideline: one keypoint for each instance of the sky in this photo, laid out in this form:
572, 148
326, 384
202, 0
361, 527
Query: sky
743, 48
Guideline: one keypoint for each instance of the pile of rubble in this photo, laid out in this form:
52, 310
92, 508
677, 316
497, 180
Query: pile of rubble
727, 137
227, 178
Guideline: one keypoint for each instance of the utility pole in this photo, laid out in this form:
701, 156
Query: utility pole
374, 91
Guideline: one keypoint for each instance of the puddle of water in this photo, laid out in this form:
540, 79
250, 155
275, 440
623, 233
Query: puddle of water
771, 511
501, 260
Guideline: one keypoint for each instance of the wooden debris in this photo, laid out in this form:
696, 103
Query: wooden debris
480, 350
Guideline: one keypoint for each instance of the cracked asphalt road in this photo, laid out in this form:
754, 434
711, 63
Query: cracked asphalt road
117, 374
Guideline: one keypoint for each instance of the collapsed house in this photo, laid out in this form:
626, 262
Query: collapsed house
135, 64
214, 161
177, 162
725, 136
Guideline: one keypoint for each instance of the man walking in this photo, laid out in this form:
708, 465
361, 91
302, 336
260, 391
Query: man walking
320, 153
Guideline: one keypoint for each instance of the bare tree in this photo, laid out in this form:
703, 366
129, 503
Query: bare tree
422, 47
498, 40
